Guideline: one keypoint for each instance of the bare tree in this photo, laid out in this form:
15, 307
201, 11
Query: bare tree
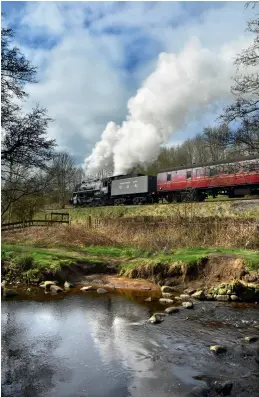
62, 173
245, 109
25, 150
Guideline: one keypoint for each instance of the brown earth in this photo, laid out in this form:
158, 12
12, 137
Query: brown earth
216, 269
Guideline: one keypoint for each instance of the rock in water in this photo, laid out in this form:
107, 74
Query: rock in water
67, 285
184, 297
166, 301
55, 289
217, 349
101, 291
187, 305
251, 339
222, 298
171, 310
223, 388
156, 319
209, 297
148, 299
165, 288
167, 295
199, 295
234, 298
88, 288
47, 284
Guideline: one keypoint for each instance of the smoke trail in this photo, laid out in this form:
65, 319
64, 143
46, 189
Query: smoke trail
183, 87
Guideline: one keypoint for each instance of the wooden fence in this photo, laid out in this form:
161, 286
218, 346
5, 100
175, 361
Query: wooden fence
64, 218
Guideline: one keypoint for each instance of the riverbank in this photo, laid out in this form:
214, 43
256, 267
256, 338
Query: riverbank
219, 273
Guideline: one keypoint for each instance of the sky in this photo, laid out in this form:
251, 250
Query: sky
92, 57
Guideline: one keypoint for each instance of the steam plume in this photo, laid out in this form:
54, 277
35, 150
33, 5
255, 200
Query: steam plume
182, 88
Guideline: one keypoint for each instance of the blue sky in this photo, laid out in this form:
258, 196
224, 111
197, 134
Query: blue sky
93, 56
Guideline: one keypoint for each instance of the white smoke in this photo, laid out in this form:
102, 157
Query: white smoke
183, 87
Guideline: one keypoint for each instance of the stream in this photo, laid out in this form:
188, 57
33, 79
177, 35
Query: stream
89, 345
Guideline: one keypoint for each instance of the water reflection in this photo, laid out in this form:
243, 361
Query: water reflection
99, 346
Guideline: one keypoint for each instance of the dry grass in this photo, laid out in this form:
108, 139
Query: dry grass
55, 236
152, 236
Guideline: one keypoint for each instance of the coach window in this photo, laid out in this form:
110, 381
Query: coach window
198, 173
212, 171
207, 171
168, 177
188, 174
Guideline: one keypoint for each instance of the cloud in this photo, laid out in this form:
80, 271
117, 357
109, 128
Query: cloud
93, 56
182, 88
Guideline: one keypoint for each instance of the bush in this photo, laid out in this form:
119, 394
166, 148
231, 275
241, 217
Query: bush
24, 262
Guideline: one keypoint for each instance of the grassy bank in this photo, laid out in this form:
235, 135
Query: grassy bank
153, 234
33, 264
235, 209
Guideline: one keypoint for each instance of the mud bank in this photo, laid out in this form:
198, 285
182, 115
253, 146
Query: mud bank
215, 276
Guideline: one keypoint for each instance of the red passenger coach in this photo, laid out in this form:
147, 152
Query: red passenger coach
234, 178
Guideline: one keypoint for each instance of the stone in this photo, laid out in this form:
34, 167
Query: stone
229, 292
222, 298
184, 296
171, 310
166, 288
148, 299
209, 297
217, 349
223, 388
101, 291
251, 339
234, 298
55, 288
167, 295
8, 293
67, 285
222, 291
47, 284
88, 288
187, 305
156, 319
200, 295
166, 301
28, 290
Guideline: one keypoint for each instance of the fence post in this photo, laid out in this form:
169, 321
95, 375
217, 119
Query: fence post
89, 222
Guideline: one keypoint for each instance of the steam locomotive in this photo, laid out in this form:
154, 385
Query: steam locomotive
234, 178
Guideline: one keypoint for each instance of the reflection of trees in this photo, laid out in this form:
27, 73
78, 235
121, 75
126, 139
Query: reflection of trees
27, 368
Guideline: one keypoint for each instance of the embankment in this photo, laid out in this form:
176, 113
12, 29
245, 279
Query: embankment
217, 271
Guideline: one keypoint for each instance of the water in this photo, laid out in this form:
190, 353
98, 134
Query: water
96, 346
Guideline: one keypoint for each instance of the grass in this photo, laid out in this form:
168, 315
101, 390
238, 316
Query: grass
224, 208
131, 262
